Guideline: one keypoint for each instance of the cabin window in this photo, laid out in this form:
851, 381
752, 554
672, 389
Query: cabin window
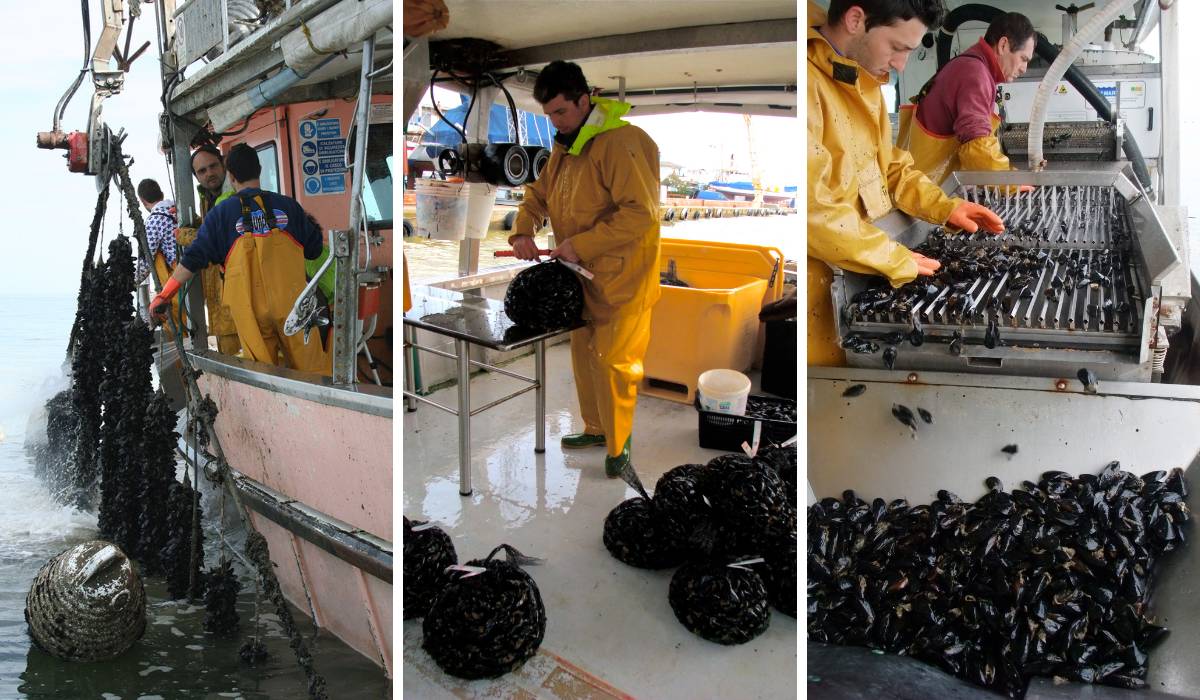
268, 157
377, 185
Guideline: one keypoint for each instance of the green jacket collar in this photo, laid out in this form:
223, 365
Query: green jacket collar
605, 117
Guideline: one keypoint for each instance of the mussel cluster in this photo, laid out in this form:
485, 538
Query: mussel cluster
220, 600
1024, 271
1053, 579
544, 297
486, 623
769, 409
428, 550
730, 523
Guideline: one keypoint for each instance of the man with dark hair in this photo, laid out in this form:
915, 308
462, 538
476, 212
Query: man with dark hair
855, 174
261, 238
600, 190
208, 167
956, 113
160, 234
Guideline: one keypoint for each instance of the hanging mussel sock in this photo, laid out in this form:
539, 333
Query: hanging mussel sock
723, 601
220, 600
636, 534
428, 551
488, 620
544, 297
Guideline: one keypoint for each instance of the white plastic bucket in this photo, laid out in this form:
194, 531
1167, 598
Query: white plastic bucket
481, 201
441, 209
724, 391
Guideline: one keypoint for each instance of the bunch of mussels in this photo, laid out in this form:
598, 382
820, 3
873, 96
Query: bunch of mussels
963, 263
544, 297
731, 523
1052, 580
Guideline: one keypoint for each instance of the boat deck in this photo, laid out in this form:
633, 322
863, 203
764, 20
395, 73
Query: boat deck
610, 630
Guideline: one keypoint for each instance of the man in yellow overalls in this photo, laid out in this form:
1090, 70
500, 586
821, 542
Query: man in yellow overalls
855, 174
952, 123
600, 190
262, 239
211, 189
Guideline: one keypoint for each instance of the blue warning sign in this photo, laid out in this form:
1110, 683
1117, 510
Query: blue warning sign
323, 148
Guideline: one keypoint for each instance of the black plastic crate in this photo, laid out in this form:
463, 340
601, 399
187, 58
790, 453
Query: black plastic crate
722, 431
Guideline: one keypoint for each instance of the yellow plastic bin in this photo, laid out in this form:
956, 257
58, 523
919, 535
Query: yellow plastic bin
711, 324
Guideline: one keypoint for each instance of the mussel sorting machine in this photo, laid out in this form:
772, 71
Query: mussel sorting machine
1085, 276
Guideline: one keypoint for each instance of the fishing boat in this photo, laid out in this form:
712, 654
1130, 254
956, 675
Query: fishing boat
496, 473
307, 84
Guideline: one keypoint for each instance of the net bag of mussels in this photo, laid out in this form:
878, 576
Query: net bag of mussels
488, 620
428, 550
750, 501
723, 600
544, 297
682, 505
634, 533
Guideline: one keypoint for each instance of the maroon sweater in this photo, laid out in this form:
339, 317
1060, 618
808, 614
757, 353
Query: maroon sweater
963, 97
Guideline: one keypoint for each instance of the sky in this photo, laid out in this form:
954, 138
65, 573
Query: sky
49, 209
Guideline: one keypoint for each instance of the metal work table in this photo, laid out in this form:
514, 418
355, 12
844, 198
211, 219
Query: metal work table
474, 320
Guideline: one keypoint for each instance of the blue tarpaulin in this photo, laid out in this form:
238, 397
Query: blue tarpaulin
535, 130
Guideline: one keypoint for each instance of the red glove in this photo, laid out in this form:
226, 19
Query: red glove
160, 306
969, 216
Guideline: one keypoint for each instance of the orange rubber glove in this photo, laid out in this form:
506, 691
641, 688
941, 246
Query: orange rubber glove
160, 306
925, 266
969, 216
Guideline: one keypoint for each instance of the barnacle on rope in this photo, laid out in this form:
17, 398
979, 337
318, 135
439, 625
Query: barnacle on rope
259, 553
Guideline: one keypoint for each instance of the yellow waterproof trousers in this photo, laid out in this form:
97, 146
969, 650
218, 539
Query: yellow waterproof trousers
220, 320
163, 273
607, 359
264, 274
824, 346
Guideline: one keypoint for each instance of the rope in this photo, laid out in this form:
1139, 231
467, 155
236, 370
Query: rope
308, 36
205, 412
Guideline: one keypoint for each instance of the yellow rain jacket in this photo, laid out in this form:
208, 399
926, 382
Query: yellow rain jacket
855, 175
602, 194
163, 272
264, 274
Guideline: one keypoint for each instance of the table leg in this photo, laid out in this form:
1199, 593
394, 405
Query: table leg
410, 368
539, 363
463, 351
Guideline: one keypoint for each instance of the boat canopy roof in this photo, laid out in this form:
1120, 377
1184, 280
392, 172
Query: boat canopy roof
673, 55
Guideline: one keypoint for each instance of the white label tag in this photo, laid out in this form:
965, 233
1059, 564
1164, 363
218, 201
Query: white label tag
745, 563
470, 570
752, 450
426, 526
577, 268
790, 440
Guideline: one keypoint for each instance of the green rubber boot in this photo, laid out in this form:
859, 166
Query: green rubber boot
578, 441
613, 466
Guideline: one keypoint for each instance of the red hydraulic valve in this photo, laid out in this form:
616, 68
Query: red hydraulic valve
75, 143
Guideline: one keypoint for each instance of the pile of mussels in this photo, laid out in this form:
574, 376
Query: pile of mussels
731, 524
1052, 580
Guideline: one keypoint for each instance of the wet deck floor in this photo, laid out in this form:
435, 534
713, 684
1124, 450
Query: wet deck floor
610, 631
